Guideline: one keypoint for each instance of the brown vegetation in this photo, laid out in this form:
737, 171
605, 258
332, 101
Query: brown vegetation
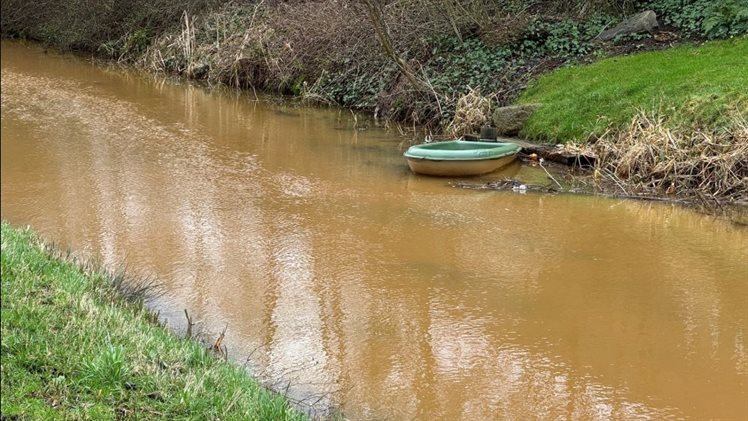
472, 111
649, 157
90, 24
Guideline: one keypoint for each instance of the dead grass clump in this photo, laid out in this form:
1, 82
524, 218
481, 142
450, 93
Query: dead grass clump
471, 112
227, 45
653, 158
323, 35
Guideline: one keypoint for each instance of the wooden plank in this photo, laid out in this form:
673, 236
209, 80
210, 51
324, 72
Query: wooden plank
553, 153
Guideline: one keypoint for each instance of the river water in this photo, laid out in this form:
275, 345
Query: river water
345, 281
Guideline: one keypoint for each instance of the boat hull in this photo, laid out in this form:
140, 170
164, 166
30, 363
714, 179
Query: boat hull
458, 168
459, 158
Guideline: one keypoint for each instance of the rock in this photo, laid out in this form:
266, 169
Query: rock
509, 120
641, 22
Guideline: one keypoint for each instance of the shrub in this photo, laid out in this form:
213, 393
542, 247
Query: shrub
104, 26
726, 19
704, 18
566, 39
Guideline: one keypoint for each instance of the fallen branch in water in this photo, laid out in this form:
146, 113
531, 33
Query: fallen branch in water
189, 324
549, 174
735, 212
217, 348
512, 185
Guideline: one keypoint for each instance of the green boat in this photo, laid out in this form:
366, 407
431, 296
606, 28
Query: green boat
459, 158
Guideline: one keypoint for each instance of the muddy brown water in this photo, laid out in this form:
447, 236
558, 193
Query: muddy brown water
343, 280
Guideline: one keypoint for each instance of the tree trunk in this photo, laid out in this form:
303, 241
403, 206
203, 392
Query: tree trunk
374, 10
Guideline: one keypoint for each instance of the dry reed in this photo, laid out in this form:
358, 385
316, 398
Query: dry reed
650, 157
472, 111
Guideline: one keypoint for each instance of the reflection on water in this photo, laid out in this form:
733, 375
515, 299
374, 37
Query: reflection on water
345, 280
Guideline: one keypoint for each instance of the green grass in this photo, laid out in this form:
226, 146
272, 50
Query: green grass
693, 86
73, 348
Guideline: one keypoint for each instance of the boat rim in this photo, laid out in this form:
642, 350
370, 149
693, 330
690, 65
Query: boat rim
487, 151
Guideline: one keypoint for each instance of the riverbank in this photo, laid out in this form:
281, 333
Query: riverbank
425, 58
74, 347
696, 86
448, 67
671, 123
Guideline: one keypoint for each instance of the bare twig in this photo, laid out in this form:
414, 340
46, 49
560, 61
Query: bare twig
549, 174
189, 324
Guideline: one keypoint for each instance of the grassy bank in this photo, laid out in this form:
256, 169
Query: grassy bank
73, 348
695, 87
666, 123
